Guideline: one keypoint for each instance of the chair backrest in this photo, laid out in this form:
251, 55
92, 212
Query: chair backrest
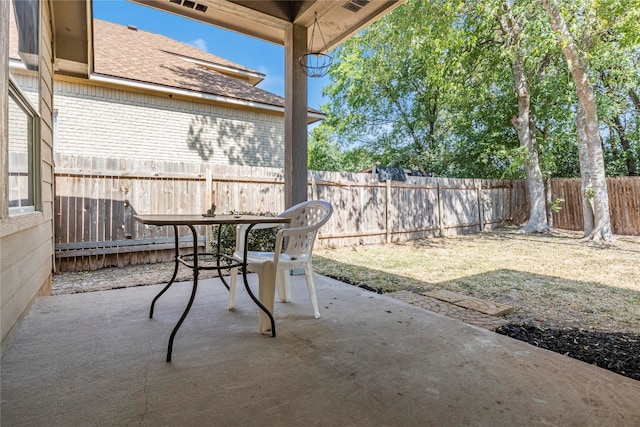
306, 219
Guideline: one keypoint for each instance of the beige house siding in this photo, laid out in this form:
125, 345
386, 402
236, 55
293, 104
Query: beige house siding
26, 241
101, 121
4, 116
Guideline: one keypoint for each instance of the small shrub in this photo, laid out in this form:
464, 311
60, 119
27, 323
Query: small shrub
262, 240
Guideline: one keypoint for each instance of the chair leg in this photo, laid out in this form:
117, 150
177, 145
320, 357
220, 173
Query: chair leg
266, 297
308, 272
232, 288
283, 286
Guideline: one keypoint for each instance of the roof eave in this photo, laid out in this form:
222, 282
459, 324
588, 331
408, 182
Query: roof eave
72, 37
312, 116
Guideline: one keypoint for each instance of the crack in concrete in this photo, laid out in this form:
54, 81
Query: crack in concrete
144, 390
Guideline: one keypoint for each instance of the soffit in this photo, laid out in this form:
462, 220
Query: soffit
72, 36
268, 19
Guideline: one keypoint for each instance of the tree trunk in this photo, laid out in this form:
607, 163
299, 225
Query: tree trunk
537, 222
586, 99
525, 128
585, 174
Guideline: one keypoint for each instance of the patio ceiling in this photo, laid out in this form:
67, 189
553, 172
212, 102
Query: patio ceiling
263, 19
268, 19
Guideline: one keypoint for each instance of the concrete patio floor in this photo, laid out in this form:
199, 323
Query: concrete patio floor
96, 359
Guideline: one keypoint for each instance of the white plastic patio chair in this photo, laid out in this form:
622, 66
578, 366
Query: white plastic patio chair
294, 245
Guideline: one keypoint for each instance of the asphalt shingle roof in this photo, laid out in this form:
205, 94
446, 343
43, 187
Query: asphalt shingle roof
137, 55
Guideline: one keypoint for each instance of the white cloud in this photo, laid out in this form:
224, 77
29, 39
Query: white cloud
199, 44
271, 83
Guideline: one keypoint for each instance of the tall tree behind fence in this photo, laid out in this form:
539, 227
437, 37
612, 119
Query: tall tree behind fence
96, 199
624, 204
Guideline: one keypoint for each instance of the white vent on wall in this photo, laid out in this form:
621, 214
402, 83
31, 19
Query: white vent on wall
356, 5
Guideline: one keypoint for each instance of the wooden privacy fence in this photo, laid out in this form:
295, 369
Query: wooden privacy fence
96, 199
624, 204
367, 211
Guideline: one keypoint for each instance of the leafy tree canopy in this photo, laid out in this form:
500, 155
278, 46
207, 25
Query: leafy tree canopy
430, 86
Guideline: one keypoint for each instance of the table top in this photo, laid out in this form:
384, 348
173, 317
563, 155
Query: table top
195, 219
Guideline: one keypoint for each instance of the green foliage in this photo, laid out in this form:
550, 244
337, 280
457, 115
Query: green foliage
431, 86
590, 192
324, 156
389, 80
358, 159
262, 240
555, 205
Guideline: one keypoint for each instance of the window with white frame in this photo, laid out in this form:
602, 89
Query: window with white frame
23, 131
21, 158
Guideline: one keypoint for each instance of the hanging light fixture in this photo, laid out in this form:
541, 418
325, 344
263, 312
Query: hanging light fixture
315, 63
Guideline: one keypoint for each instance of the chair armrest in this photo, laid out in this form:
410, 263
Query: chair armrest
299, 230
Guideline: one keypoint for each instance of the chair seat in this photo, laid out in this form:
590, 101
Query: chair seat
254, 257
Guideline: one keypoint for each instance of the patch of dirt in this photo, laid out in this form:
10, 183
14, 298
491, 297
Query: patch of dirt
121, 277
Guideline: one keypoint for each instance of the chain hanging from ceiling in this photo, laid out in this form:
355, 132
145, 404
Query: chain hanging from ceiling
316, 63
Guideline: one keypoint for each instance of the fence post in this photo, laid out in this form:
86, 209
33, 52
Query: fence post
480, 206
314, 187
387, 210
549, 200
510, 192
440, 209
128, 220
209, 199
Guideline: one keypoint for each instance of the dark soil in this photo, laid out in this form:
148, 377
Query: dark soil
615, 351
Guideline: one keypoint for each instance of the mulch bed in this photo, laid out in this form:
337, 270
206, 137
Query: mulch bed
615, 351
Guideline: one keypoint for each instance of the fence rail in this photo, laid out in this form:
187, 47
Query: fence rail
96, 199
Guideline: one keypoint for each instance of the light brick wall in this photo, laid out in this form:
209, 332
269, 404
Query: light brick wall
106, 122
29, 86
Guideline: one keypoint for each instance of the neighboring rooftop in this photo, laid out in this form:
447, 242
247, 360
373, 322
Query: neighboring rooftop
125, 52
130, 55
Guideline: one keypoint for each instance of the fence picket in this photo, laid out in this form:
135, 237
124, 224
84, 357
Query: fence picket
96, 199
104, 195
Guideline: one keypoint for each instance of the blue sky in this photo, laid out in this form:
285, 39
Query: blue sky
261, 56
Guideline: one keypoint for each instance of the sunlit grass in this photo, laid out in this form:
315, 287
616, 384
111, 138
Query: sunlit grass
555, 279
